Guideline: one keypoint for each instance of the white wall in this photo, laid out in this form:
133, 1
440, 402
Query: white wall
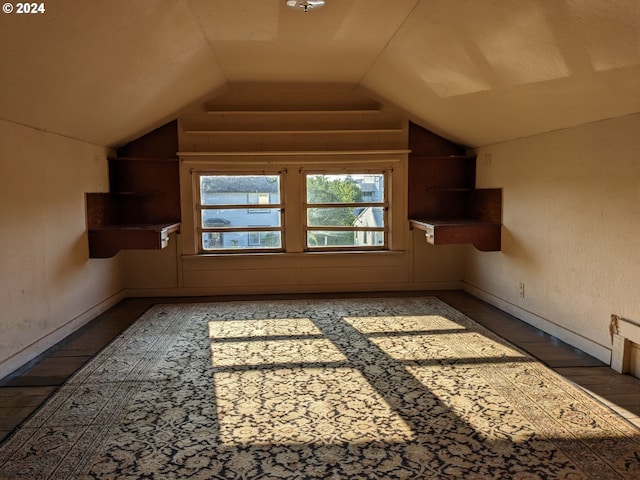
48, 285
571, 214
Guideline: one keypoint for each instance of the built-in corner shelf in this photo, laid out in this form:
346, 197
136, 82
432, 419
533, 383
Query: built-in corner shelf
142, 207
121, 220
105, 241
443, 200
485, 236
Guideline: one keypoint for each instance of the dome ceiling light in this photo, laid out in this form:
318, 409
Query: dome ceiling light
305, 5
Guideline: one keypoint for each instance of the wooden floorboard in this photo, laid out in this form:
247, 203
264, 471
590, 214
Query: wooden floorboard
22, 392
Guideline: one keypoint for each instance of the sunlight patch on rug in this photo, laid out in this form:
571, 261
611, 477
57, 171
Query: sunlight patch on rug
273, 352
321, 406
433, 338
268, 404
401, 323
256, 328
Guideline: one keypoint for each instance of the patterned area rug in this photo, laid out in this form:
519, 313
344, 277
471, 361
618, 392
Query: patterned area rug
319, 389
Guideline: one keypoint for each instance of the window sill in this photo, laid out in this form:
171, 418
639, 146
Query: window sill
291, 254
268, 262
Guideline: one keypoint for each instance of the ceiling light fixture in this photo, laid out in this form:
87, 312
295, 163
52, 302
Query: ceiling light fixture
305, 5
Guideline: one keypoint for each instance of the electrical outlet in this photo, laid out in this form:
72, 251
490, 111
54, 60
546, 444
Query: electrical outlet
521, 290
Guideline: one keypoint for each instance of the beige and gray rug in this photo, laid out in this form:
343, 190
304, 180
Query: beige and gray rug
320, 389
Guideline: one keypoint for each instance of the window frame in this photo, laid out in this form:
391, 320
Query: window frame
384, 205
251, 209
290, 168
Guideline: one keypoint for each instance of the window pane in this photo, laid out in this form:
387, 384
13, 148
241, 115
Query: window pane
241, 240
233, 206
240, 217
322, 239
338, 217
343, 188
239, 189
345, 217
369, 238
212, 240
370, 217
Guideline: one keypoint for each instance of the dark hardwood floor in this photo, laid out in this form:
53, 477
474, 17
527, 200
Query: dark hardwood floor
22, 392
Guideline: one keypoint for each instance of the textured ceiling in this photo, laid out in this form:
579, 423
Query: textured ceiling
475, 71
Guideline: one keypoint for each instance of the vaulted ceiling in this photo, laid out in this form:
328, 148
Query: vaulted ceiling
475, 71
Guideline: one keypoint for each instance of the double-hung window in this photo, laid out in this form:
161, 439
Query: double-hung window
346, 211
239, 213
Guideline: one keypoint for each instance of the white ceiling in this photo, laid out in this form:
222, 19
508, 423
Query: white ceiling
475, 71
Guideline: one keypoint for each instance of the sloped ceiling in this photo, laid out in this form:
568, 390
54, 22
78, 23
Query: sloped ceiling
475, 71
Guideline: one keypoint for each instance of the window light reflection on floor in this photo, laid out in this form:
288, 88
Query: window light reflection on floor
282, 381
279, 381
304, 405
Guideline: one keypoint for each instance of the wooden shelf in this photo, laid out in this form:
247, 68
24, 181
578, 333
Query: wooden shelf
443, 200
418, 155
292, 132
271, 153
485, 236
239, 111
149, 194
142, 207
142, 159
445, 189
107, 240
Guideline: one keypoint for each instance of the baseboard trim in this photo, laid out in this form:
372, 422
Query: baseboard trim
278, 289
37, 348
574, 339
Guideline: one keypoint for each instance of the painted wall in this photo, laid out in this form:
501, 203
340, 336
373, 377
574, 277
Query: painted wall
48, 285
571, 214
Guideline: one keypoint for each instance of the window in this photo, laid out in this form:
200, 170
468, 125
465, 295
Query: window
345, 211
226, 208
294, 208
